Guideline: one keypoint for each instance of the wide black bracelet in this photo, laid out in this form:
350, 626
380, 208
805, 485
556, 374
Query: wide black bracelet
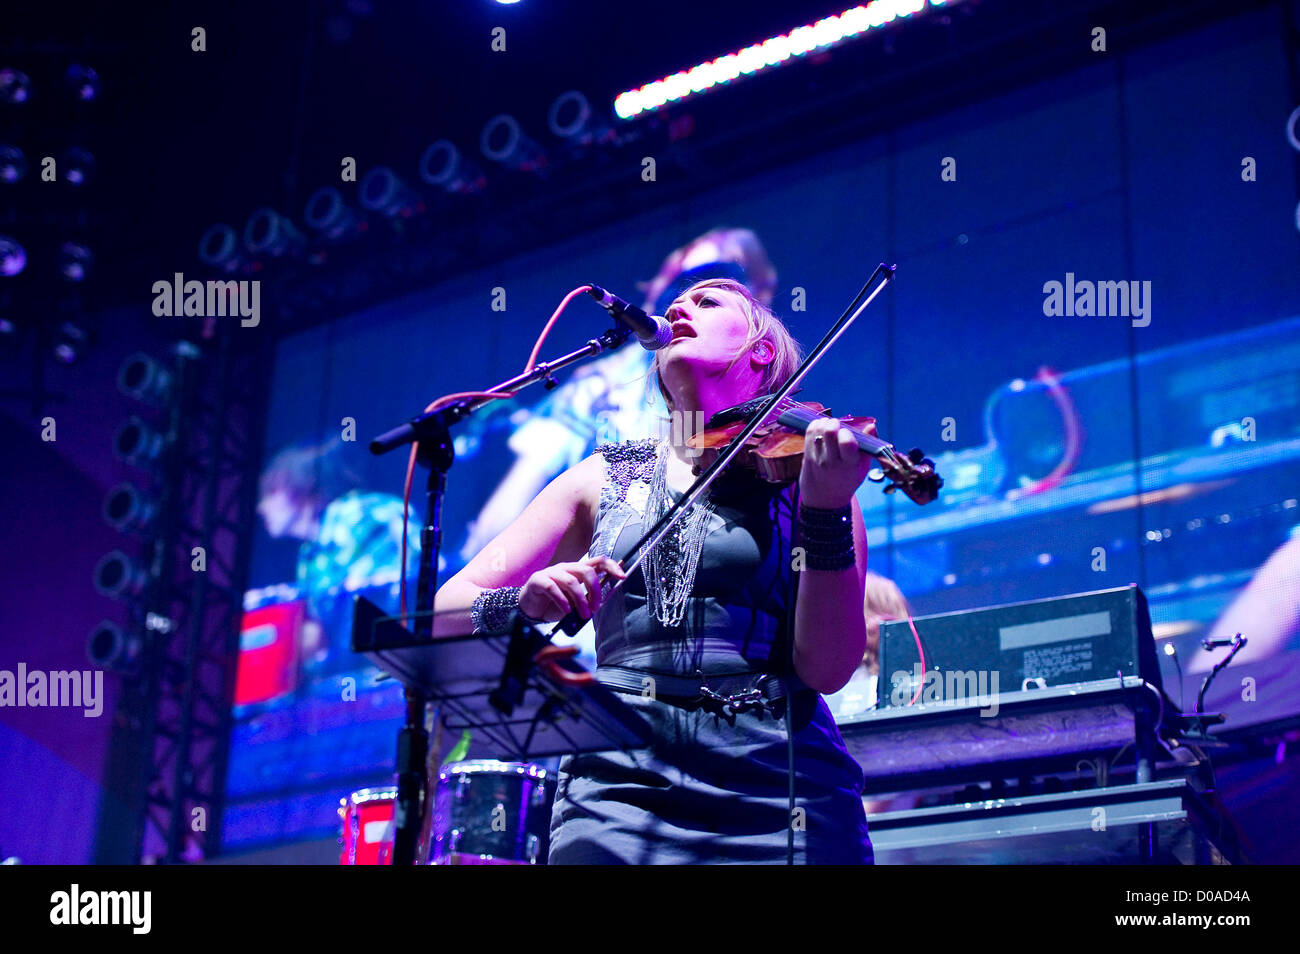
826, 537
834, 518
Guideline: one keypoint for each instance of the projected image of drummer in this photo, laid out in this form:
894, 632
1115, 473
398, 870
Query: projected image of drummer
350, 542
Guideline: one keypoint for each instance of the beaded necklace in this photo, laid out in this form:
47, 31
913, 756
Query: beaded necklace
671, 566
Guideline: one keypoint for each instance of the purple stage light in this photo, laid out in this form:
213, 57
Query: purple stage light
13, 164
82, 82
13, 257
78, 167
75, 261
15, 86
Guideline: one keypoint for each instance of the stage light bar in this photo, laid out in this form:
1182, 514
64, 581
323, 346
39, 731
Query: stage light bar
772, 52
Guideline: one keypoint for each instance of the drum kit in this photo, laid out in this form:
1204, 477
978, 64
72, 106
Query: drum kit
484, 812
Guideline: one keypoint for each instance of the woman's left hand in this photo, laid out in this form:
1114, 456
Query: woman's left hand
834, 467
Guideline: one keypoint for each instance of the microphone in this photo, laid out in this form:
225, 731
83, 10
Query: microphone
652, 331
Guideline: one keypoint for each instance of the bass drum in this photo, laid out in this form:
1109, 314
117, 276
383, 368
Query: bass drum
487, 812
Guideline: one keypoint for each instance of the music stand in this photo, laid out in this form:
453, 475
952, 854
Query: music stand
526, 707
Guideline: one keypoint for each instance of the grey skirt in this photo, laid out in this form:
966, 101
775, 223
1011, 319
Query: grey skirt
714, 789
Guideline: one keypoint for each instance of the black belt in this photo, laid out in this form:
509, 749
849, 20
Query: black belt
726, 695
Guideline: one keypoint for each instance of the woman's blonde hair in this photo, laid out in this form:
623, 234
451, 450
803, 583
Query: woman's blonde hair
882, 601
764, 325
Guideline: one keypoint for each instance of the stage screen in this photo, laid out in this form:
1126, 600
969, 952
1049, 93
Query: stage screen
1092, 333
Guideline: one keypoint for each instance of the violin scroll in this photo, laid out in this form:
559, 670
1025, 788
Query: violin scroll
917, 478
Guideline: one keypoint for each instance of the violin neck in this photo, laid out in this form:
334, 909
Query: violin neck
797, 418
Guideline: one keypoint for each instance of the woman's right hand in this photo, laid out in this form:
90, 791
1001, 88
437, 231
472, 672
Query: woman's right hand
552, 593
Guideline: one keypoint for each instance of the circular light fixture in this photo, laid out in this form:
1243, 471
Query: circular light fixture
443, 165
116, 576
502, 140
13, 257
75, 261
70, 341
15, 86
382, 191
108, 647
267, 232
13, 164
82, 82
219, 247
569, 115
127, 509
137, 443
328, 213
78, 167
143, 378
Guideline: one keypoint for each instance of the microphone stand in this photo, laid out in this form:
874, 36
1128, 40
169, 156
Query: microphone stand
573, 622
434, 449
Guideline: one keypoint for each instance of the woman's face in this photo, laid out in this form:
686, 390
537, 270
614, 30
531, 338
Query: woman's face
710, 329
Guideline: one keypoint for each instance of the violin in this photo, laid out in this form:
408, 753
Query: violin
775, 450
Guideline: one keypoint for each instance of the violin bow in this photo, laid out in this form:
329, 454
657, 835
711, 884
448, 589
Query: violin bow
881, 277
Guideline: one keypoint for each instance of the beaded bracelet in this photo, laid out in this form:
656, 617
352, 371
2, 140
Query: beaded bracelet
494, 610
826, 537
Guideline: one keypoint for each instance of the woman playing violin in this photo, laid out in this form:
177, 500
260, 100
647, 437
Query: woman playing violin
723, 639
